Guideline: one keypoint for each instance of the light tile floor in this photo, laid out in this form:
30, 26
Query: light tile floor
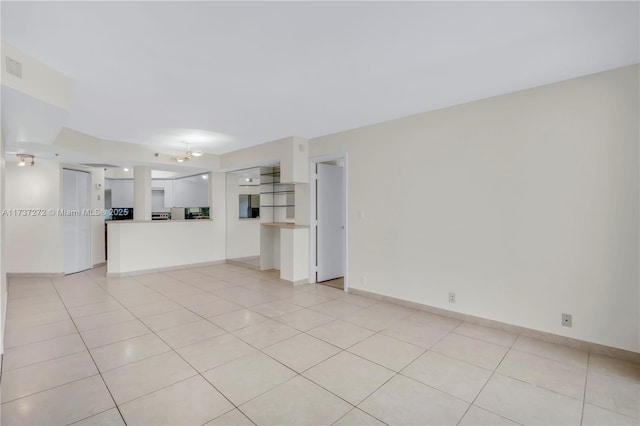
224, 345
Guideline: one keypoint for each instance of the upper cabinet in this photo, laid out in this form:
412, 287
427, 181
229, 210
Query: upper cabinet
168, 194
191, 192
121, 193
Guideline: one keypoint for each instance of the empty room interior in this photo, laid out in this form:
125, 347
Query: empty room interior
320, 213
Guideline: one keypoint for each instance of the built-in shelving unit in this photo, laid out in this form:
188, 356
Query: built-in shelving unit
277, 199
284, 243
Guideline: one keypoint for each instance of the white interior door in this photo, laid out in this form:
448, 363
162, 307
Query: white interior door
76, 197
330, 238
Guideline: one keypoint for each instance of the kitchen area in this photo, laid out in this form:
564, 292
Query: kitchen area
202, 219
177, 198
175, 207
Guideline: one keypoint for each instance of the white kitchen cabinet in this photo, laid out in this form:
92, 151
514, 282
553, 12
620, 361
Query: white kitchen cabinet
168, 194
185, 192
191, 192
122, 193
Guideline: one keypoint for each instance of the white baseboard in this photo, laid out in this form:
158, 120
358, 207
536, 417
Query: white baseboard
35, 274
165, 269
239, 262
296, 283
536, 334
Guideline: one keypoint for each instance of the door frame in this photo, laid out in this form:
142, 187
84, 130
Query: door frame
313, 161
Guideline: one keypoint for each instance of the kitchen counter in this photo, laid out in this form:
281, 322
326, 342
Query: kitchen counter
288, 225
158, 220
285, 246
154, 245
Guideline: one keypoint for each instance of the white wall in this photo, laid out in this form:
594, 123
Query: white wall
35, 241
524, 205
97, 222
269, 153
243, 235
38, 80
218, 214
3, 274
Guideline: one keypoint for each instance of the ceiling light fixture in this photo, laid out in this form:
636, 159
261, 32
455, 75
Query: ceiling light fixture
189, 155
22, 160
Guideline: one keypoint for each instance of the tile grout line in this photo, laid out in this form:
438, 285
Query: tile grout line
430, 349
396, 373
49, 359
198, 373
43, 340
90, 355
253, 290
360, 409
485, 385
297, 374
584, 394
231, 332
171, 350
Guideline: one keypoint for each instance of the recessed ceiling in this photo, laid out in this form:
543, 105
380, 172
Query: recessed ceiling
226, 75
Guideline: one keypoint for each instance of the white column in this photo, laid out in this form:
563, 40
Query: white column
141, 193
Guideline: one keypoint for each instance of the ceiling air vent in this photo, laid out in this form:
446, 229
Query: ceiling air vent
98, 165
14, 67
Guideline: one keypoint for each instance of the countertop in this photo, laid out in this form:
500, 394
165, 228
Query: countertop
156, 221
289, 225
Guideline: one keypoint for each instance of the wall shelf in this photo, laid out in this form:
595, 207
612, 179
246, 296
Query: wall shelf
277, 199
279, 192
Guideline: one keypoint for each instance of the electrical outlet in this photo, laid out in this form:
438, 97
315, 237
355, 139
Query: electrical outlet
566, 320
452, 298
363, 280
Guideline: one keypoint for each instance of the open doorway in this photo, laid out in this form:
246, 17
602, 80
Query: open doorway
329, 221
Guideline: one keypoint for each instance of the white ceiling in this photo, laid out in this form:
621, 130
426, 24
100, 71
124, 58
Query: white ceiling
225, 75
